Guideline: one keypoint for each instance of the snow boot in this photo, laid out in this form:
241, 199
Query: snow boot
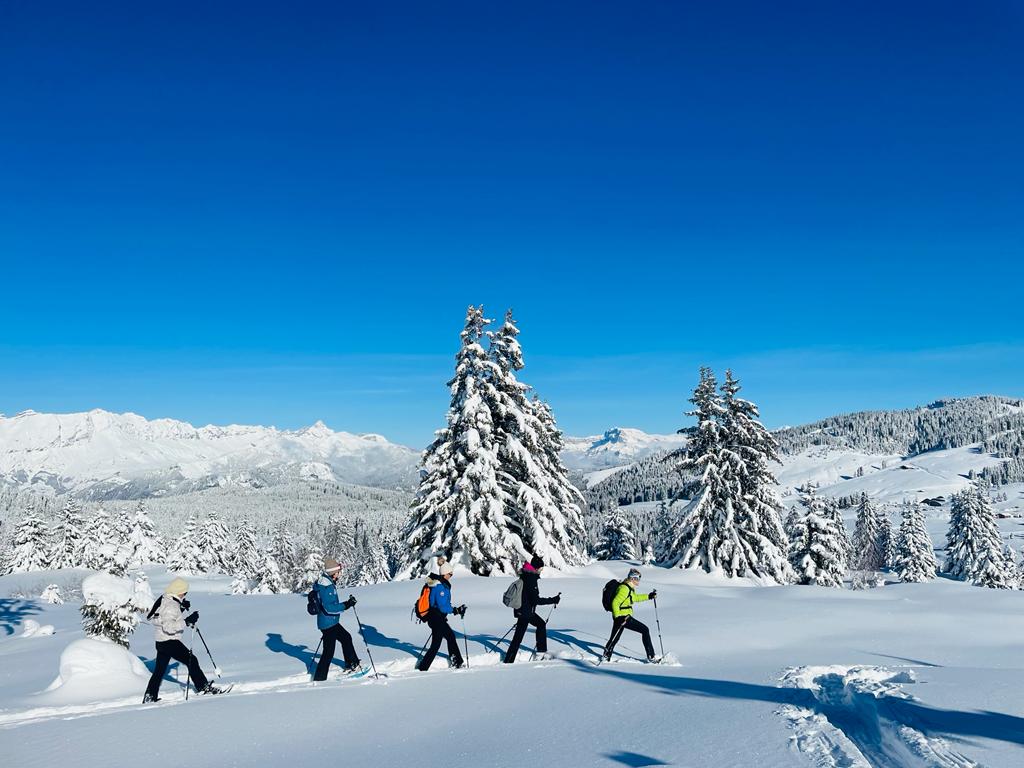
456, 664
654, 659
607, 656
150, 699
213, 690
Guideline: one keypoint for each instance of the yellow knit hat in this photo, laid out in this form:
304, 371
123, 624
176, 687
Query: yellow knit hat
177, 587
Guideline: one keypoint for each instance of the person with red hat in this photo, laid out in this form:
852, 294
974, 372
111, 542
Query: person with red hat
328, 621
526, 613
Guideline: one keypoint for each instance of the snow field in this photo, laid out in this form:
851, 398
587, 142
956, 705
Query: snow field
780, 676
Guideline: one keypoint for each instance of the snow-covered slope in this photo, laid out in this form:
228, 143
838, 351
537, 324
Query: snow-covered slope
615, 448
109, 455
906, 676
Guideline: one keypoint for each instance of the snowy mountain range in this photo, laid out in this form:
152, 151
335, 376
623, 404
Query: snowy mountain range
103, 455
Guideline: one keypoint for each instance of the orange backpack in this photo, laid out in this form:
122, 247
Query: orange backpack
422, 606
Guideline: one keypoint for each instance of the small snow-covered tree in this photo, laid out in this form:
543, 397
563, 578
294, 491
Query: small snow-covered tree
270, 581
144, 546
816, 549
868, 546
835, 514
109, 608
915, 555
67, 537
30, 550
974, 548
246, 557
51, 595
310, 570
213, 544
282, 549
460, 506
184, 555
616, 541
887, 538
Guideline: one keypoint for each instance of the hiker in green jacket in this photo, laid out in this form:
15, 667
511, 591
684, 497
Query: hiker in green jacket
622, 615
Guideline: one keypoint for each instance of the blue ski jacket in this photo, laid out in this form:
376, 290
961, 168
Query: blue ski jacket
331, 607
441, 597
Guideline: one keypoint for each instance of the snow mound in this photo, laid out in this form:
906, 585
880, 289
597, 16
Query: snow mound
107, 590
96, 669
32, 628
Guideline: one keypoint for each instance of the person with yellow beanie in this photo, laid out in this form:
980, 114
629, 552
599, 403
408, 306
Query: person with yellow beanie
168, 628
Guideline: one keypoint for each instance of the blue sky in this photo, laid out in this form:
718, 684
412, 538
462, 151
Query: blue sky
255, 214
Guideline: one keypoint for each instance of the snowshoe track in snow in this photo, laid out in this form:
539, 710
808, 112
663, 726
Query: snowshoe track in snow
856, 721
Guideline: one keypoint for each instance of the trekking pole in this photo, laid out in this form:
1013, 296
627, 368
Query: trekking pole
311, 667
363, 635
188, 676
216, 669
465, 638
495, 648
660, 643
419, 656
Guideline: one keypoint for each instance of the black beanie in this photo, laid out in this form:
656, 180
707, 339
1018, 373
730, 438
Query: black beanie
537, 561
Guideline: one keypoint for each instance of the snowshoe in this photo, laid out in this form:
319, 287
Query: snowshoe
457, 664
654, 659
150, 699
213, 690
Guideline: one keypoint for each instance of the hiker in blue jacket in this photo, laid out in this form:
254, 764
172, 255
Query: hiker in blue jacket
437, 620
328, 621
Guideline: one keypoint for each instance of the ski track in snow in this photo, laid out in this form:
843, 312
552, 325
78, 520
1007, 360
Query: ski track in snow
399, 670
856, 721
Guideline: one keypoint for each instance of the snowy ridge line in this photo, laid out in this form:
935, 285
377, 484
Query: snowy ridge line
856, 721
401, 669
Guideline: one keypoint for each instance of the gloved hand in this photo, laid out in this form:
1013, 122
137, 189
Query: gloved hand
350, 602
652, 594
191, 619
460, 611
185, 605
558, 599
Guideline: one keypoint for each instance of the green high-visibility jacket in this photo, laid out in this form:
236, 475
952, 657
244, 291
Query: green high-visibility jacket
625, 596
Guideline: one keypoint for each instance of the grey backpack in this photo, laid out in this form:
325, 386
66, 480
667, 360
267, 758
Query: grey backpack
513, 597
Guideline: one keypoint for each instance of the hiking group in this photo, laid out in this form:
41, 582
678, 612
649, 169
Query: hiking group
433, 607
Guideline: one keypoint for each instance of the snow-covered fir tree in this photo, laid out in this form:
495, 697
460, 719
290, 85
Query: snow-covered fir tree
616, 541
460, 505
184, 555
816, 550
51, 595
67, 537
282, 550
100, 543
541, 506
270, 581
732, 524
213, 543
888, 537
309, 571
109, 607
373, 567
834, 513
915, 556
30, 549
144, 546
246, 556
868, 546
974, 548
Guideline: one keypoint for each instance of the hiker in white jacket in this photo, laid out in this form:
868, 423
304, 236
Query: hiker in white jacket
169, 624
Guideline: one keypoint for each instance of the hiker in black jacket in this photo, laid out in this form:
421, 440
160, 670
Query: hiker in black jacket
527, 611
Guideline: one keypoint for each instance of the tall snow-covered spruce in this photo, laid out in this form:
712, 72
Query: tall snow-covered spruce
869, 538
493, 490
460, 506
915, 556
974, 548
541, 501
68, 537
733, 523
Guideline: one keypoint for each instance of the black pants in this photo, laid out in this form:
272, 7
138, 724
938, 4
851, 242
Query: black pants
628, 622
520, 633
174, 649
331, 636
439, 630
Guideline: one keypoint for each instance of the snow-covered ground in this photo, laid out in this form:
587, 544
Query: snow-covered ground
904, 675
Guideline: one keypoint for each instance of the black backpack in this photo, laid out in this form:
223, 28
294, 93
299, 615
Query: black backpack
313, 605
608, 594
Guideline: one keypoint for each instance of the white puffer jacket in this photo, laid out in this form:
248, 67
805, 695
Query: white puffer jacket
169, 622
